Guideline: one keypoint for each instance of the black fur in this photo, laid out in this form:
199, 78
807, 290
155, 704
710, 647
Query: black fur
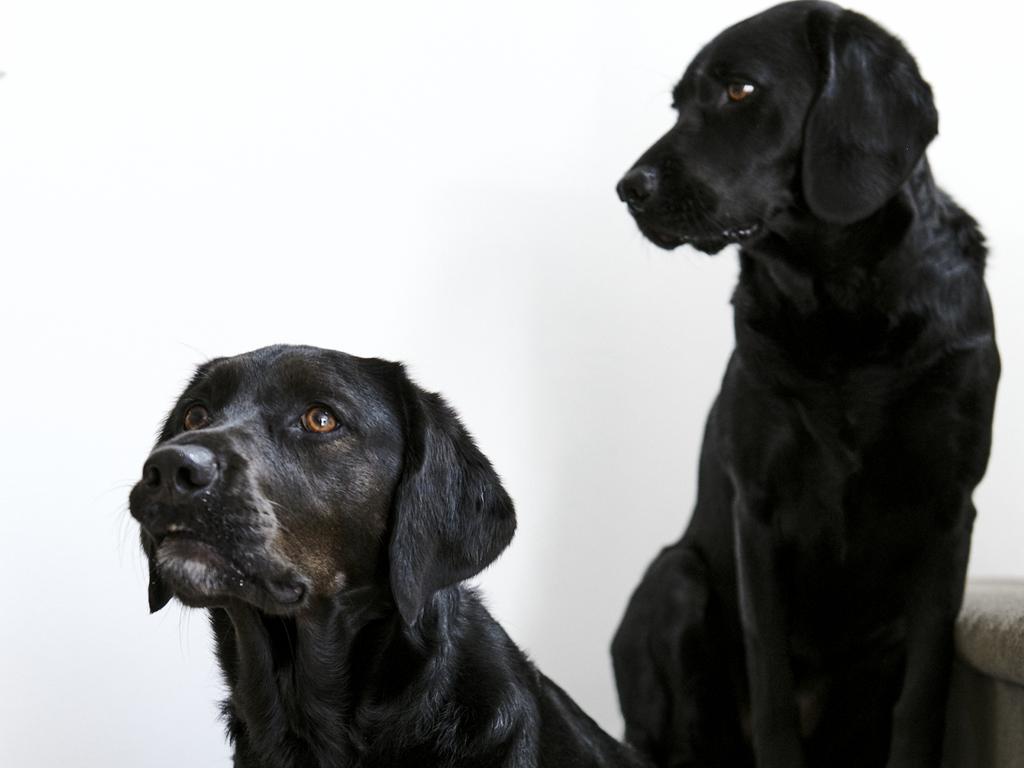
806, 614
331, 564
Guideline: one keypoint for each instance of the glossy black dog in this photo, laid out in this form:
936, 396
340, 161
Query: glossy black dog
806, 614
325, 509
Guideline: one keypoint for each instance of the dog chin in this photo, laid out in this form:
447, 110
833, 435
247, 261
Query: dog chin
201, 577
708, 245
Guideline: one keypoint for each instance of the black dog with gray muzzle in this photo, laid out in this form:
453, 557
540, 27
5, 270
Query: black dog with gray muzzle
325, 510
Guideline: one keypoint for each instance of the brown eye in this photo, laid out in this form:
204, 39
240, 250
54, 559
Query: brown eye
319, 419
196, 417
739, 91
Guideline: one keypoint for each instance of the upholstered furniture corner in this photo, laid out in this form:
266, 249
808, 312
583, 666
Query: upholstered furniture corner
985, 721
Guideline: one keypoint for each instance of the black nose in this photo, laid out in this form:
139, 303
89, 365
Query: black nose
179, 470
637, 186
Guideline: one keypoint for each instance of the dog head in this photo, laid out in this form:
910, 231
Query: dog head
806, 107
290, 474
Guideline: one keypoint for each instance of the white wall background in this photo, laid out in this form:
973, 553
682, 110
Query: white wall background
425, 181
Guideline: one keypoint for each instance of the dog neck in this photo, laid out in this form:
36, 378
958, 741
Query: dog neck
303, 688
823, 300
813, 264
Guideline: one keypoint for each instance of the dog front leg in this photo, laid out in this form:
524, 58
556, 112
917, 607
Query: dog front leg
774, 715
933, 604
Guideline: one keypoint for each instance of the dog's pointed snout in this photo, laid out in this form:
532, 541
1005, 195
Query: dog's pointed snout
178, 470
637, 186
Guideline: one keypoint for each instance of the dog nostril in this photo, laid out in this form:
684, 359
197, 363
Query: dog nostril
620, 188
192, 477
151, 477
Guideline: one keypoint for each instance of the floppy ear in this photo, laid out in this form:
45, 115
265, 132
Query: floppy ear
873, 118
450, 515
159, 593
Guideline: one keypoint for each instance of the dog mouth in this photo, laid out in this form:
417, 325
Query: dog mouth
201, 575
710, 243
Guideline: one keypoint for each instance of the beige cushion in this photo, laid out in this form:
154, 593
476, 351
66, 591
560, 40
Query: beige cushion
990, 631
985, 720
